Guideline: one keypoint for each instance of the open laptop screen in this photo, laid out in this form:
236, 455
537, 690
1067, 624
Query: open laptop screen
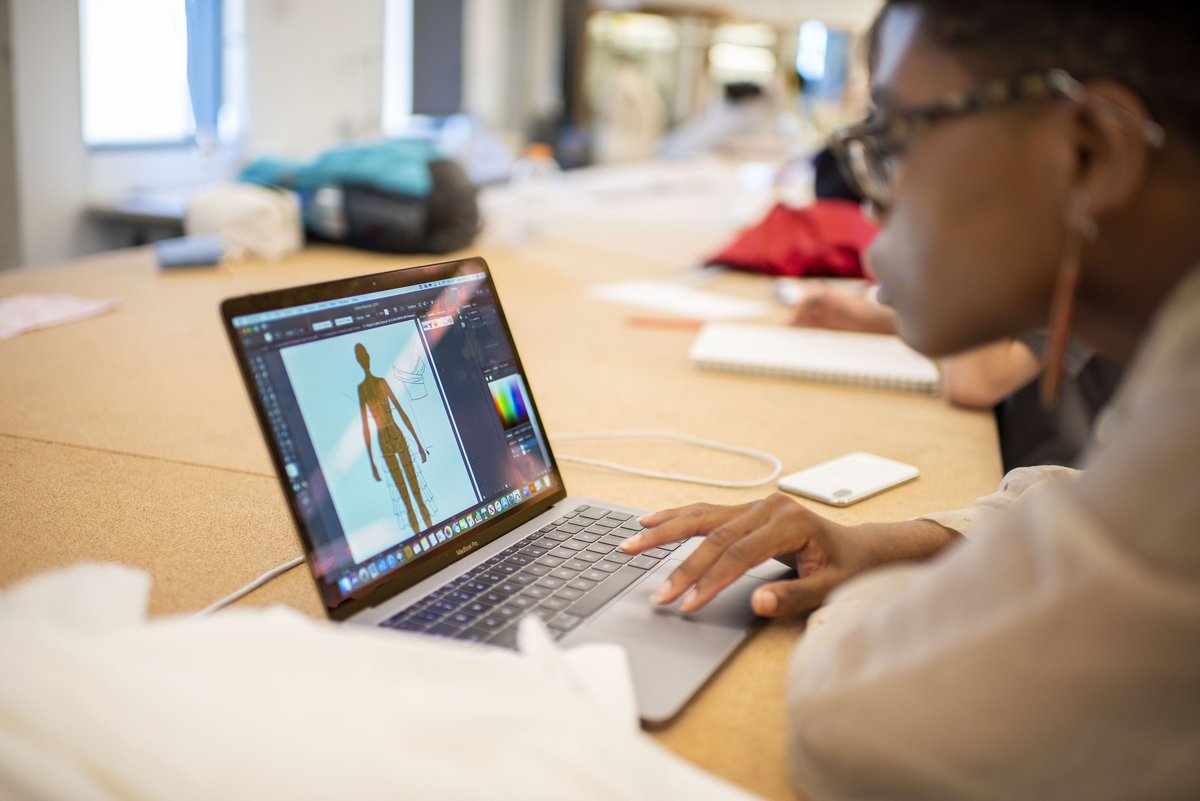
399, 418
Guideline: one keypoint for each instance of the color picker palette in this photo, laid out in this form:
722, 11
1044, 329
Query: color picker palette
509, 396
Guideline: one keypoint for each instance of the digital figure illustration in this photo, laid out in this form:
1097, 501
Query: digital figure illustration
383, 438
375, 396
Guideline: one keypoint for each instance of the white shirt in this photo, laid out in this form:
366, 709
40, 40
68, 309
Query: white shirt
1055, 654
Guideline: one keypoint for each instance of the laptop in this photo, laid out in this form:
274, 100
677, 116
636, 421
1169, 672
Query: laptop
425, 491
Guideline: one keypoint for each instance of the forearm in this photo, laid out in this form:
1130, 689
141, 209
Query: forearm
367, 443
408, 424
904, 541
983, 377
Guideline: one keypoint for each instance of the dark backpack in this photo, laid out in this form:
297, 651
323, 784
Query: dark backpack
445, 220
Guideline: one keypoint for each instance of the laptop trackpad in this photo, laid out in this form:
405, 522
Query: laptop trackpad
671, 654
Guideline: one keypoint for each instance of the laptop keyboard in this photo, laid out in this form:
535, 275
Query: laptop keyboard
562, 573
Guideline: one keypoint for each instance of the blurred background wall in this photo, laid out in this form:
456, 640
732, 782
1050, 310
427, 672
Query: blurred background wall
9, 250
610, 81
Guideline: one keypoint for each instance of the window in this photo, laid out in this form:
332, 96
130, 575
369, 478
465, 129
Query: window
743, 52
151, 71
821, 60
397, 66
811, 50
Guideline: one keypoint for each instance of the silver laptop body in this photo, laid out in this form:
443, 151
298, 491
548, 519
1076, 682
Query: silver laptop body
425, 491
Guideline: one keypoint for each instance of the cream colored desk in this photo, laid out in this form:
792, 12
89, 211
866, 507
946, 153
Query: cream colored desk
129, 437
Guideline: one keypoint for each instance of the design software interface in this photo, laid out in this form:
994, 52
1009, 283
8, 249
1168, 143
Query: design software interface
401, 418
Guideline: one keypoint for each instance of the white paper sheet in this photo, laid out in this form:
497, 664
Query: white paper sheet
680, 301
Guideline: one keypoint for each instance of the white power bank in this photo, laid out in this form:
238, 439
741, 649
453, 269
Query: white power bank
848, 479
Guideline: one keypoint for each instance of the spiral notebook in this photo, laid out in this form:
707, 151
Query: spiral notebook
840, 357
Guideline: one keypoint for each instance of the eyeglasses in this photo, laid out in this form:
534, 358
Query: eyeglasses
867, 152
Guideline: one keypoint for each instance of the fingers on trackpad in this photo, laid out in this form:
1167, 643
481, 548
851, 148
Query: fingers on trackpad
731, 607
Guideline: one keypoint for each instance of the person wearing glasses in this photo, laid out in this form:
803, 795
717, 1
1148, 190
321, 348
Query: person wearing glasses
1033, 165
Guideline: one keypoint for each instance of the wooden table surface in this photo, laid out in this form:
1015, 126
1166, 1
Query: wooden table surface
129, 437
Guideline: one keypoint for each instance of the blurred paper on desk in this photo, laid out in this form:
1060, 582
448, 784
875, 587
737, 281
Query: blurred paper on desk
791, 291
811, 354
21, 313
679, 300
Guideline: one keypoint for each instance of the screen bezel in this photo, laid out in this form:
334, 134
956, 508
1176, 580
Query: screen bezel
337, 606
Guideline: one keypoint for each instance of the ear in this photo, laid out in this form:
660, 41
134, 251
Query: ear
1113, 126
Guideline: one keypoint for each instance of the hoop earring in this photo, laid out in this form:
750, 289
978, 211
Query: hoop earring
1081, 228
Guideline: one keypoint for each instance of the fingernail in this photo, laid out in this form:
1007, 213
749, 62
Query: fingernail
630, 542
764, 602
689, 601
660, 595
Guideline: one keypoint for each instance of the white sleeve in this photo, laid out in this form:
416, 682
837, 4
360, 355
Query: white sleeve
1019, 665
1014, 485
1056, 654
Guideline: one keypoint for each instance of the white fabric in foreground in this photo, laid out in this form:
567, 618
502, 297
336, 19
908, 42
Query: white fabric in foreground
96, 702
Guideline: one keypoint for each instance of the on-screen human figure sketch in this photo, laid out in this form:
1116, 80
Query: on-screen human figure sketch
374, 394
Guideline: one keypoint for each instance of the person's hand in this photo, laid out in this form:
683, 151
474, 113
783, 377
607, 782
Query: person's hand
823, 553
822, 307
740, 537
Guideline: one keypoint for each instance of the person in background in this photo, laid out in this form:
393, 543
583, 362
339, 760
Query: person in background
744, 116
631, 114
1034, 165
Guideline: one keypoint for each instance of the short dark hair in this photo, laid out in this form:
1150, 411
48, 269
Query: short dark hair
1151, 46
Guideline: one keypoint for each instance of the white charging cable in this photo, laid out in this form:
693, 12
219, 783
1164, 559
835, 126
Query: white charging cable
273, 573
762, 456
